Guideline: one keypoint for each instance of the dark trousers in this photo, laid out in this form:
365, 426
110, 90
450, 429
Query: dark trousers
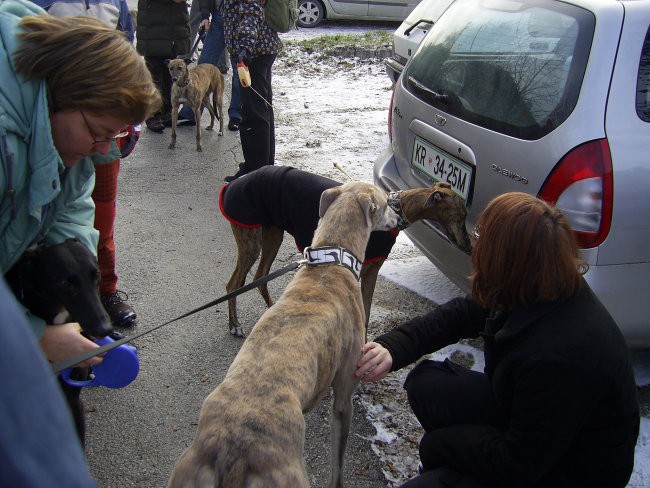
72, 396
257, 128
163, 81
443, 394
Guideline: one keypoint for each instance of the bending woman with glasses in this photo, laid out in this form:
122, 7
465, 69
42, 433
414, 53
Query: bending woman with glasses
116, 14
556, 405
69, 87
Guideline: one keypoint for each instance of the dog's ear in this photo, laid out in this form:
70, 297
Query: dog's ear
326, 199
187, 61
435, 197
167, 62
369, 207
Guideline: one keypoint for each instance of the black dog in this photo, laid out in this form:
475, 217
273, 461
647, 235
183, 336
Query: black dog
60, 284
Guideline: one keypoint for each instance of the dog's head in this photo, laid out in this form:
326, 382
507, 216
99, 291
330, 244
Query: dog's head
372, 200
60, 283
177, 68
440, 204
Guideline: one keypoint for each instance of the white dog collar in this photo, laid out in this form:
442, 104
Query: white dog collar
333, 255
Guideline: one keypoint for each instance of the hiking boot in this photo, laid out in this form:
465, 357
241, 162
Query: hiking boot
166, 119
155, 124
120, 312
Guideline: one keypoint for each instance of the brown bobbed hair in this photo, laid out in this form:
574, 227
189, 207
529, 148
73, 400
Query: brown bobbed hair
87, 65
526, 253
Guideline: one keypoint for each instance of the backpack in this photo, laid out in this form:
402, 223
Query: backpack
281, 15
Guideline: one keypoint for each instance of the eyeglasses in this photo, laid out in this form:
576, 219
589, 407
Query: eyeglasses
122, 133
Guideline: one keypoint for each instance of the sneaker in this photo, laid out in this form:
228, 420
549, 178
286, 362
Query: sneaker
120, 312
233, 124
183, 121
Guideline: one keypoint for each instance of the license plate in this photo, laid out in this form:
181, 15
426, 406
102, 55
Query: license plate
439, 165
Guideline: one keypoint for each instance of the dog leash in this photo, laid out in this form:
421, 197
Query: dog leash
67, 363
260, 95
199, 38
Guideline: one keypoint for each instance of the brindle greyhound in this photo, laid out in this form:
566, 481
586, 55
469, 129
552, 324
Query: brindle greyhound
251, 429
193, 87
264, 204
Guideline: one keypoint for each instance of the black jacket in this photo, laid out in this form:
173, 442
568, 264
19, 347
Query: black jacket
562, 374
268, 196
163, 28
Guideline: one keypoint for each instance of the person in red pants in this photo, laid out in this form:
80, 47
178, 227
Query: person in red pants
105, 197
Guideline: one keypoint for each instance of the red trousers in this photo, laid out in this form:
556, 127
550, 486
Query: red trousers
105, 196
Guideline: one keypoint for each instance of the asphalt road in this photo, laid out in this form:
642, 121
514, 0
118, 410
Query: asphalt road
175, 252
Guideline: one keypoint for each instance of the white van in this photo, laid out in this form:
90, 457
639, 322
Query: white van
409, 34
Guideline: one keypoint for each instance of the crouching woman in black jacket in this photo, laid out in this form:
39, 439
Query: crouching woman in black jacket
556, 406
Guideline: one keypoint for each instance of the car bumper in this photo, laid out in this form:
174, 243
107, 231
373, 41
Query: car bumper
393, 69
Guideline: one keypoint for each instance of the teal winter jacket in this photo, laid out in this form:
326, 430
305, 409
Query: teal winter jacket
41, 201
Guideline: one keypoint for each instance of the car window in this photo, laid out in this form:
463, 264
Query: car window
643, 82
511, 66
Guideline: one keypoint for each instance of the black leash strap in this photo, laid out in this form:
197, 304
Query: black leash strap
67, 363
199, 38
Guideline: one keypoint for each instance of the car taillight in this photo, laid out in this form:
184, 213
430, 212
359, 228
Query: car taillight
390, 116
581, 185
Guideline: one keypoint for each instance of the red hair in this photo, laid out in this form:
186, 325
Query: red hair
526, 253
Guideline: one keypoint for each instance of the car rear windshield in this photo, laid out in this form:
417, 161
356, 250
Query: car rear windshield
515, 67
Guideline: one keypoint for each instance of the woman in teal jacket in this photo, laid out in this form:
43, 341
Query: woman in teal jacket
61, 107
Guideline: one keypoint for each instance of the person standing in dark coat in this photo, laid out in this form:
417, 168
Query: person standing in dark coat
163, 32
253, 45
556, 406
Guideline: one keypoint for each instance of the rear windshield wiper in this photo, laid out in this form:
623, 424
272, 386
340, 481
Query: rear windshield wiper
443, 96
433, 95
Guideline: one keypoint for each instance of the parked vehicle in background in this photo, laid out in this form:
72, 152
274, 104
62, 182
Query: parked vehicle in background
410, 33
546, 97
313, 12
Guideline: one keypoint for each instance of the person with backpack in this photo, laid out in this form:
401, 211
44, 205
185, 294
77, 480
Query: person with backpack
253, 45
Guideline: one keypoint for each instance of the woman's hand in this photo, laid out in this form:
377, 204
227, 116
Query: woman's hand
375, 362
65, 341
205, 23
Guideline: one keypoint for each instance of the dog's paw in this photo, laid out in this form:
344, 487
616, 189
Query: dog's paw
210, 127
237, 331
199, 148
221, 132
172, 145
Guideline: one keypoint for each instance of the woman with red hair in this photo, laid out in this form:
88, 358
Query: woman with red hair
556, 405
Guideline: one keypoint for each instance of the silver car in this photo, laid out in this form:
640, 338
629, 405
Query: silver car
312, 12
550, 98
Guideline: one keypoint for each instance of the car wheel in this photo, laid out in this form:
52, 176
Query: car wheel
310, 13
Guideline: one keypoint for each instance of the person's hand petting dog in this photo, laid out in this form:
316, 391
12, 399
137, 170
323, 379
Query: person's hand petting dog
65, 340
375, 362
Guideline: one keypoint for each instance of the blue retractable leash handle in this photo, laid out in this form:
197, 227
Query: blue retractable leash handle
118, 369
